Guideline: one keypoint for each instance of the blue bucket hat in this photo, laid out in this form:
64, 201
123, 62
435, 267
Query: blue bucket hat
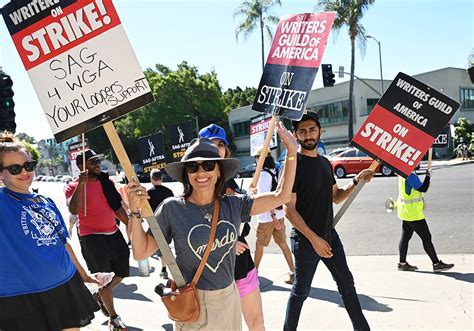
213, 131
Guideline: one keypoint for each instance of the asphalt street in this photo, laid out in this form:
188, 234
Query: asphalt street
366, 228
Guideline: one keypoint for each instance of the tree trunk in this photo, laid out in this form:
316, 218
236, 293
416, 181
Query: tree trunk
351, 93
263, 44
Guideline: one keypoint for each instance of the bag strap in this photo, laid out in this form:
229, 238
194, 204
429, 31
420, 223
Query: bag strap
207, 252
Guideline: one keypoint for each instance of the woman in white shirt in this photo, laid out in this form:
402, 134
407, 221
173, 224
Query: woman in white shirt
271, 223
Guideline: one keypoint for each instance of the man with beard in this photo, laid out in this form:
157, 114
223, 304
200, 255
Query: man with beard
103, 247
313, 237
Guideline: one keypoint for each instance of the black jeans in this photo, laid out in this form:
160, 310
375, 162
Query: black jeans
421, 229
306, 261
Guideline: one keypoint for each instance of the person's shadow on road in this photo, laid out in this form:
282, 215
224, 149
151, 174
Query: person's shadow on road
467, 277
128, 291
366, 302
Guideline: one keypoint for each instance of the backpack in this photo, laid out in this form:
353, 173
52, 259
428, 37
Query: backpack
274, 178
274, 182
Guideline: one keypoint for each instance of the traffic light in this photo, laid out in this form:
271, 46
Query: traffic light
328, 76
7, 114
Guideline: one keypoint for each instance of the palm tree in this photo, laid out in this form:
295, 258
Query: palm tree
255, 14
349, 13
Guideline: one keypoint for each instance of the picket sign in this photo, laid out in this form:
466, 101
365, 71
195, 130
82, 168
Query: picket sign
147, 212
264, 152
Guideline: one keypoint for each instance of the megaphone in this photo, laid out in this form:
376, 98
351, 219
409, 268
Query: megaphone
390, 205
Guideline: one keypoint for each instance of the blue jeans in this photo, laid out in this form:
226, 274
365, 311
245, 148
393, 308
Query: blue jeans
306, 261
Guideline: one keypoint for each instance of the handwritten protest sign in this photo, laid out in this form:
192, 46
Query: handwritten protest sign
152, 152
405, 123
292, 64
258, 130
79, 60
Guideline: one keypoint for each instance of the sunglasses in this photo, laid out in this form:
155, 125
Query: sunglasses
193, 167
15, 169
94, 161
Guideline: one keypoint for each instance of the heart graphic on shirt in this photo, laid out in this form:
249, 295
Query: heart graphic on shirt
226, 236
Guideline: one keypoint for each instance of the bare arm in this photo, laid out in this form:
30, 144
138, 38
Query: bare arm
122, 215
320, 245
264, 202
296, 220
84, 275
75, 203
143, 244
341, 194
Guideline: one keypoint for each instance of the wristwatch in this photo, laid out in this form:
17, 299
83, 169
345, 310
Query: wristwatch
354, 181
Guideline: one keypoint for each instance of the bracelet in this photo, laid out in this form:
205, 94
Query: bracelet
136, 214
290, 158
354, 181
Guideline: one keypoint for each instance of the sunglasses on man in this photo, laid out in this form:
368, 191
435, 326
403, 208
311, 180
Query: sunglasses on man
15, 169
193, 167
95, 161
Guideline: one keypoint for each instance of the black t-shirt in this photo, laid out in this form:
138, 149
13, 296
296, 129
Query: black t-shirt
157, 194
313, 187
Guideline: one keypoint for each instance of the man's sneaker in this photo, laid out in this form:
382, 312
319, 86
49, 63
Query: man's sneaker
116, 324
290, 278
164, 274
102, 307
441, 266
406, 267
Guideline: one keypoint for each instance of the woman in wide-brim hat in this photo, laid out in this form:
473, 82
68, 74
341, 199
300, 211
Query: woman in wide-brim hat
186, 221
246, 274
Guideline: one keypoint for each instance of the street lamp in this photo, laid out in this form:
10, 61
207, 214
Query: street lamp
196, 118
380, 59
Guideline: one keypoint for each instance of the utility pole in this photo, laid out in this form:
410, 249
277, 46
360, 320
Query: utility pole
380, 61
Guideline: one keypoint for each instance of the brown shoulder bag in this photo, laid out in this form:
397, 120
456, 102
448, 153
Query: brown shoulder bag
183, 303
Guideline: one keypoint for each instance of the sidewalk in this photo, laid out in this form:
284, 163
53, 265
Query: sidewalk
445, 163
391, 300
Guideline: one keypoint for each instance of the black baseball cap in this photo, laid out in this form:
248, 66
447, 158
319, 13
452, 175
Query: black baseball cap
308, 115
90, 154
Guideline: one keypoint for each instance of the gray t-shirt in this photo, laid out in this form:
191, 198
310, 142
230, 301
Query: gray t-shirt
184, 223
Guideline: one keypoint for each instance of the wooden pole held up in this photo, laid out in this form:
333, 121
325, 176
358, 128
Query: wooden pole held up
264, 152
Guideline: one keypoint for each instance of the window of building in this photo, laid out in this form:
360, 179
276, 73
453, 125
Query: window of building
370, 105
467, 98
336, 112
241, 129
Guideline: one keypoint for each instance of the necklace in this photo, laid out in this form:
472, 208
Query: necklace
207, 215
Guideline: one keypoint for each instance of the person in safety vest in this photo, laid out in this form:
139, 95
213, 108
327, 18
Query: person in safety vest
410, 206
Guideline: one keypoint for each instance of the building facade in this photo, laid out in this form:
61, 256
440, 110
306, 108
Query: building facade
332, 104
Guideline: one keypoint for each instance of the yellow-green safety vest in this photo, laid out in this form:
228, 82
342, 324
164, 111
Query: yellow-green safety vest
409, 206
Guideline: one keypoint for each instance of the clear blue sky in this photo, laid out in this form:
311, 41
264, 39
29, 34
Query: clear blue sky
416, 36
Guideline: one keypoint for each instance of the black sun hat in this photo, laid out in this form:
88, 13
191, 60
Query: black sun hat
203, 149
